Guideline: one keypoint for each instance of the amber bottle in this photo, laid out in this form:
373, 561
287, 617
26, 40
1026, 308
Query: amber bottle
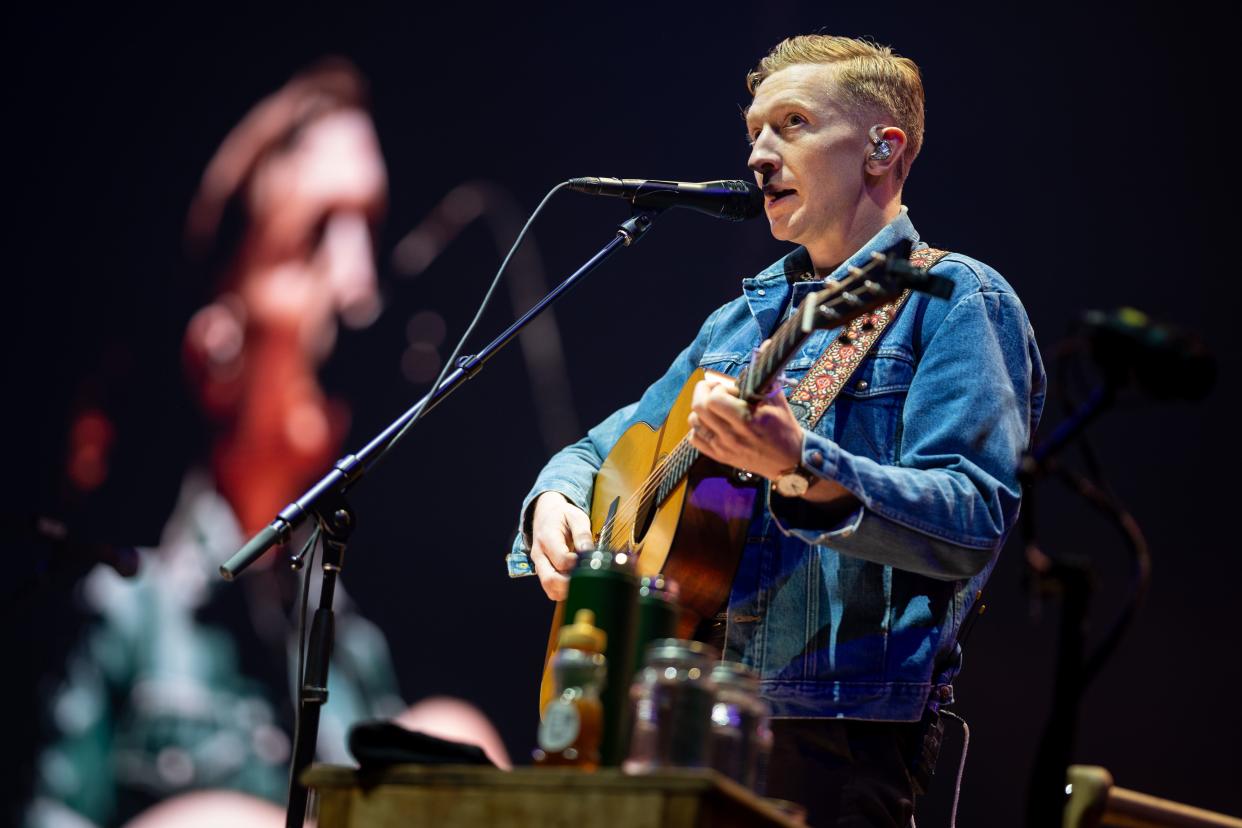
572, 725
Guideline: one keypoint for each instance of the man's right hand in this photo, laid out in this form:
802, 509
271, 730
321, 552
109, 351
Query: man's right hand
558, 530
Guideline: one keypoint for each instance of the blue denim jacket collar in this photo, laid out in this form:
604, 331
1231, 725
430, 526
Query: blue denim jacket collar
766, 292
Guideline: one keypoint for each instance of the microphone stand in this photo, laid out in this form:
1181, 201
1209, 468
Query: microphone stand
326, 502
1072, 580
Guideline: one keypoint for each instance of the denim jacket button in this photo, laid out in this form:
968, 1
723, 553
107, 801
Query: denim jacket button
761, 292
861, 385
816, 457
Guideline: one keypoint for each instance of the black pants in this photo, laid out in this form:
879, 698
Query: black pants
847, 773
852, 774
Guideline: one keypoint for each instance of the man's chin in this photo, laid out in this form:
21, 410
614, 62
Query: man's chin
780, 229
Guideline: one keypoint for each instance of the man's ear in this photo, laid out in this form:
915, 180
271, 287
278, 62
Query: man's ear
213, 354
887, 151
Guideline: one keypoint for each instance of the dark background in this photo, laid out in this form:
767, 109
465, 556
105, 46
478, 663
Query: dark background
1078, 151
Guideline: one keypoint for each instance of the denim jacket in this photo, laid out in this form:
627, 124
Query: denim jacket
860, 619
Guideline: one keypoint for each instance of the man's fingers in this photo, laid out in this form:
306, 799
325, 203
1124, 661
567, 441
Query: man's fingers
729, 419
579, 530
698, 397
710, 428
716, 410
555, 552
558, 530
727, 404
549, 540
715, 379
554, 583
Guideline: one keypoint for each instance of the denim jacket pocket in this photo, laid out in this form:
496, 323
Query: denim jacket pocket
724, 362
868, 410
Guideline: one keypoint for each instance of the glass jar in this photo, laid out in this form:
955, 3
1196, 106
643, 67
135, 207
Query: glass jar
740, 739
671, 706
658, 614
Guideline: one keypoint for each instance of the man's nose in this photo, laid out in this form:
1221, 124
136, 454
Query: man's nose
764, 159
350, 264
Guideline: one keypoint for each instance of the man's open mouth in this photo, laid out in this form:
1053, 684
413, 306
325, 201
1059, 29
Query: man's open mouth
775, 194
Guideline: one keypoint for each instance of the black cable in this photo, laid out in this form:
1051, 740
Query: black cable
961, 765
451, 362
307, 563
1140, 557
306, 559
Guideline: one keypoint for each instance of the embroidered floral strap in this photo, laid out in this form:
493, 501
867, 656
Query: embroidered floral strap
825, 379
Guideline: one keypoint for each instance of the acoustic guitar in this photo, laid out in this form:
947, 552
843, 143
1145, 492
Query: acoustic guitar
678, 512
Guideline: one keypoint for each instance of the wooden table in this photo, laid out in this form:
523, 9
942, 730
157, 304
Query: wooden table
472, 797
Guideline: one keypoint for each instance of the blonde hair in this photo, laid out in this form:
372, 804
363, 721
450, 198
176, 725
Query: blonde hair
871, 75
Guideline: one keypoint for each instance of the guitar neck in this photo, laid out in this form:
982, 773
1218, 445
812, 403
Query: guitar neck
755, 378
752, 383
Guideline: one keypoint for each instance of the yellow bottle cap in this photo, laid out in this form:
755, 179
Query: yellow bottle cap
583, 634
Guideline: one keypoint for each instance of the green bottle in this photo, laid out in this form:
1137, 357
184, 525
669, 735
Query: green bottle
606, 583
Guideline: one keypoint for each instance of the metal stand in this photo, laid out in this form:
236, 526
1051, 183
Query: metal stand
1072, 580
326, 502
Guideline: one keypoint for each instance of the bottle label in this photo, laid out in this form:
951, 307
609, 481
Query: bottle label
560, 725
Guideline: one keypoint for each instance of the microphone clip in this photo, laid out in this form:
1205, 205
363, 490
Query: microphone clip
637, 225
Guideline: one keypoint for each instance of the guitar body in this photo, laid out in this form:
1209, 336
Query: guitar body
694, 535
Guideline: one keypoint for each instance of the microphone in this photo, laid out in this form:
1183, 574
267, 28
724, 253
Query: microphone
732, 200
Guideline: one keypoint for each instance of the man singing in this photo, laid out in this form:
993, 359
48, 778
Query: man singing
882, 519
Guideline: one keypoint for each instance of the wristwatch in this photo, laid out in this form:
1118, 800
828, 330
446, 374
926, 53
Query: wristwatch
794, 482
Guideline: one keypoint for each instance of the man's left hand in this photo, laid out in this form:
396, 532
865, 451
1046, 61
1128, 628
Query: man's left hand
766, 440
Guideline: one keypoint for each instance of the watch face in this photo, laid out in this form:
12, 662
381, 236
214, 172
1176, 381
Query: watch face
791, 484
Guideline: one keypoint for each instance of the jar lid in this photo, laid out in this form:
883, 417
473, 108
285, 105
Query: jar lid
597, 559
735, 674
659, 587
680, 649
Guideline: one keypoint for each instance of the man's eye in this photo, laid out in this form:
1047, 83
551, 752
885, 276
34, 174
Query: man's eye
794, 119
313, 239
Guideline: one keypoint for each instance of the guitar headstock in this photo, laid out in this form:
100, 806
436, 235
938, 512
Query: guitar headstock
863, 289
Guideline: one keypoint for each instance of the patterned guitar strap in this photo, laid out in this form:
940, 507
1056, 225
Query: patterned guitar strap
825, 379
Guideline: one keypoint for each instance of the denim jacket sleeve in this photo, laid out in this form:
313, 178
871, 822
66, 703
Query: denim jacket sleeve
571, 471
945, 507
